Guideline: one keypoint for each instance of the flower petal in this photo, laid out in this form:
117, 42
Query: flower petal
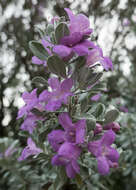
45, 96
22, 111
80, 49
103, 166
93, 57
96, 97
62, 50
107, 63
75, 166
65, 96
80, 131
59, 161
30, 97
80, 23
66, 85
31, 143
25, 153
83, 22
9, 151
29, 123
72, 39
98, 129
55, 160
123, 109
37, 61
54, 83
56, 138
65, 121
112, 155
108, 137
69, 150
70, 171
95, 147
53, 105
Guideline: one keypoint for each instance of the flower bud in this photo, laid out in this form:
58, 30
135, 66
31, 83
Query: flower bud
114, 126
98, 129
114, 165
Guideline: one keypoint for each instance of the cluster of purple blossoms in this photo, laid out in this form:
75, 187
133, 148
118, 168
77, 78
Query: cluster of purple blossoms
70, 141
58, 95
107, 157
66, 142
48, 100
76, 43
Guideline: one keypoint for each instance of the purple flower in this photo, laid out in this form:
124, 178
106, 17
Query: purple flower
114, 126
75, 43
67, 156
9, 151
66, 51
29, 123
29, 150
74, 132
79, 25
56, 138
123, 109
96, 56
107, 157
31, 101
37, 61
59, 94
96, 97
126, 22
98, 129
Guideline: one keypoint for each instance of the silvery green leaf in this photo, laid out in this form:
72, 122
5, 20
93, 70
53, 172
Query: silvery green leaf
38, 50
36, 112
61, 31
91, 123
57, 66
49, 29
87, 77
111, 115
84, 104
52, 37
80, 62
40, 31
39, 81
84, 116
100, 108
23, 133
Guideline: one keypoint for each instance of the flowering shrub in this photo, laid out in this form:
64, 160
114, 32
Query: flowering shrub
64, 123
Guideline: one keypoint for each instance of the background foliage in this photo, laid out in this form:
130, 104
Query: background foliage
17, 28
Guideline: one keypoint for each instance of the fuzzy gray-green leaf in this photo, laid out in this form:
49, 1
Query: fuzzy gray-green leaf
56, 66
111, 115
61, 31
38, 50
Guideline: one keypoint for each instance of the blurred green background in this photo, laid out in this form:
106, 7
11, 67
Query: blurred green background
18, 19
